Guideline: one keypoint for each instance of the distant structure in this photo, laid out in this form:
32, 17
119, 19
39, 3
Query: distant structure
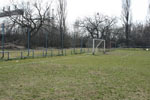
7, 14
11, 12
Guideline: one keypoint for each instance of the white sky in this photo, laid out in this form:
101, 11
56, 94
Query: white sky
82, 8
79, 8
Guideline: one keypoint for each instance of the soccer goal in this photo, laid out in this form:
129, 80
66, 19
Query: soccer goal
98, 45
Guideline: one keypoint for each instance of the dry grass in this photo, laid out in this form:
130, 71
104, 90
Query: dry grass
118, 75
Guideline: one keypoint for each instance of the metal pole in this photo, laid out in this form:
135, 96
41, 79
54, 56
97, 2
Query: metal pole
51, 52
81, 45
3, 39
93, 46
71, 45
62, 44
74, 43
88, 46
21, 54
8, 56
65, 52
28, 41
46, 44
33, 53
104, 46
58, 52
43, 53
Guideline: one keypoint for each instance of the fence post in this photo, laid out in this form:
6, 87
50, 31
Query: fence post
58, 52
71, 51
104, 47
21, 54
65, 52
51, 52
3, 40
93, 51
8, 56
88, 46
33, 53
46, 53
46, 43
81, 44
74, 43
43, 53
28, 41
71, 45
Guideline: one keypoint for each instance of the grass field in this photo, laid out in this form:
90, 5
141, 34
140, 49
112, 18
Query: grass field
117, 75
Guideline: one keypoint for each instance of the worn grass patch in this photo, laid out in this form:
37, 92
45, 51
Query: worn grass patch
118, 75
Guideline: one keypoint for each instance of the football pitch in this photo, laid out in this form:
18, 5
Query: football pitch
116, 75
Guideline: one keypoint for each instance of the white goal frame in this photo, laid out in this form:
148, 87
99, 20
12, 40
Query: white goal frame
100, 42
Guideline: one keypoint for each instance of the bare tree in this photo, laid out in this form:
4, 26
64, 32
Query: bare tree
34, 16
126, 17
62, 14
98, 26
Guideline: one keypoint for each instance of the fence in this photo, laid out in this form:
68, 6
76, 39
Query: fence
10, 51
46, 46
23, 54
14, 45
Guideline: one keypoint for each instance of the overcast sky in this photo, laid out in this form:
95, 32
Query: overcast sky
81, 8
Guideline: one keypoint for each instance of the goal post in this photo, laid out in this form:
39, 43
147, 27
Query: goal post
95, 46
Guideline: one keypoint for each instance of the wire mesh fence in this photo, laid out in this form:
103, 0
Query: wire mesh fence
14, 45
12, 50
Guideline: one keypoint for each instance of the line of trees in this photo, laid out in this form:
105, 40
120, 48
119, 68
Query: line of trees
48, 28
128, 34
39, 21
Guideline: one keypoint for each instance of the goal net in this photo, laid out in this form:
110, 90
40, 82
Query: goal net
96, 45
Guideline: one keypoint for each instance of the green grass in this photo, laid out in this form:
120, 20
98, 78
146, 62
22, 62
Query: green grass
117, 75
